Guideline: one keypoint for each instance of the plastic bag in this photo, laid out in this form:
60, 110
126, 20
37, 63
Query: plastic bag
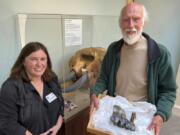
144, 114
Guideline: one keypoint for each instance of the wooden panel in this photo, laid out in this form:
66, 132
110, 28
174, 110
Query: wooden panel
62, 130
76, 125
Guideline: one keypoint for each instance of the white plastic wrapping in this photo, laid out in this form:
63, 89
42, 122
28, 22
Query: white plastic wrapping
144, 114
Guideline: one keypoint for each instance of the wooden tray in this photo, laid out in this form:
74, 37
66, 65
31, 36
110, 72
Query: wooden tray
95, 131
90, 127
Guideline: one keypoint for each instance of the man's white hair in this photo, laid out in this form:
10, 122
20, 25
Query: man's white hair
145, 14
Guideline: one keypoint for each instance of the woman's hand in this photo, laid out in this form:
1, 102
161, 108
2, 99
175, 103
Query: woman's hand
156, 124
28, 133
54, 130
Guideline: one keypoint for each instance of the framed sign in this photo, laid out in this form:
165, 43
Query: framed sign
73, 32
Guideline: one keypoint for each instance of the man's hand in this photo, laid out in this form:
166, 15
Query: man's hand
156, 124
94, 103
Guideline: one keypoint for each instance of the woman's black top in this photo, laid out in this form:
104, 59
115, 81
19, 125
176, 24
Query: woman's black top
22, 108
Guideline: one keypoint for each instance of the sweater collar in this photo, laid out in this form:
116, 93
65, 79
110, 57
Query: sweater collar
153, 49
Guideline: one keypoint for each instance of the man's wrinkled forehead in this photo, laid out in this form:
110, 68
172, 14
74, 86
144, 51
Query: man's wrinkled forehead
131, 9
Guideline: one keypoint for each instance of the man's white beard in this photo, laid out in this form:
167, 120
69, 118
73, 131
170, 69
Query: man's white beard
131, 39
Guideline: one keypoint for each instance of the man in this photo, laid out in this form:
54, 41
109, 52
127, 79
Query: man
138, 68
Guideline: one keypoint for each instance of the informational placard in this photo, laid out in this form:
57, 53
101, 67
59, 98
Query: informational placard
73, 32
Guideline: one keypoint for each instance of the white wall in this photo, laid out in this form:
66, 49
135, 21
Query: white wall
164, 25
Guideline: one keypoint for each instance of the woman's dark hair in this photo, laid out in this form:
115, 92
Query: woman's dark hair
18, 70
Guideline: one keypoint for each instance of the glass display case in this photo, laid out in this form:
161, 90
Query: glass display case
64, 36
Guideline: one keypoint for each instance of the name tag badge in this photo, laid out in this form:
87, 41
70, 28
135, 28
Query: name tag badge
51, 97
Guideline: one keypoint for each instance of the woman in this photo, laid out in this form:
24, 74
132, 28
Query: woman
31, 102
